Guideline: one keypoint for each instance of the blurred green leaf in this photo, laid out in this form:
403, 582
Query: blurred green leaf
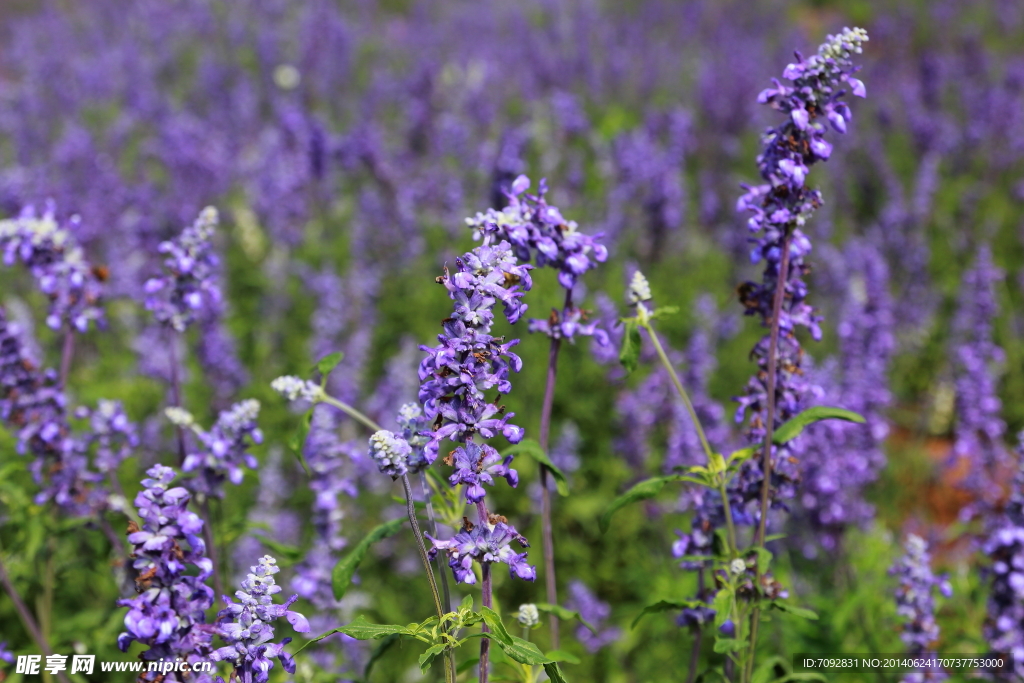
629, 356
345, 569
326, 364
793, 427
563, 614
646, 489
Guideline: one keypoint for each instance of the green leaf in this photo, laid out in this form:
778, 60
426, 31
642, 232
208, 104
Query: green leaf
722, 604
341, 577
564, 614
665, 606
794, 610
562, 656
523, 651
764, 558
498, 630
737, 457
328, 363
729, 645
629, 356
361, 629
792, 428
646, 489
378, 653
467, 602
716, 463
554, 673
532, 448
297, 440
427, 658
467, 665
664, 312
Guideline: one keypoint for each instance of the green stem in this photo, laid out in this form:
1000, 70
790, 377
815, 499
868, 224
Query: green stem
679, 388
733, 547
351, 412
449, 659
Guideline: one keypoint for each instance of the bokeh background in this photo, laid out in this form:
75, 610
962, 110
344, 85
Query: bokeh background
345, 142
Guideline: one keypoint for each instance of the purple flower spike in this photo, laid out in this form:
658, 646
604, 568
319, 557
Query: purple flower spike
57, 262
539, 233
779, 208
168, 614
246, 626
190, 280
915, 602
223, 449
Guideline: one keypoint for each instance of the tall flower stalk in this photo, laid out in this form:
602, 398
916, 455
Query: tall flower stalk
538, 232
780, 207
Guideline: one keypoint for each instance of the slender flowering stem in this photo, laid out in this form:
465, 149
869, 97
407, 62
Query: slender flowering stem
766, 458
726, 507
410, 506
211, 546
432, 518
488, 601
351, 412
548, 539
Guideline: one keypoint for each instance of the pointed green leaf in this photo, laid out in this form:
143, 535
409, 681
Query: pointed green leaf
629, 356
498, 630
554, 673
328, 363
341, 577
722, 605
742, 454
427, 658
665, 606
717, 463
532, 448
523, 651
564, 614
664, 312
361, 629
793, 427
794, 610
297, 440
467, 602
378, 653
646, 489
764, 558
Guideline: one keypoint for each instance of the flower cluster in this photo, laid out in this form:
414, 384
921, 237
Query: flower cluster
190, 280
34, 406
295, 389
223, 448
1004, 628
111, 431
469, 361
168, 615
915, 602
58, 264
485, 543
595, 612
780, 207
390, 452
538, 232
477, 464
246, 626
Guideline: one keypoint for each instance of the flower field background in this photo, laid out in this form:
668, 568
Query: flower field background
342, 146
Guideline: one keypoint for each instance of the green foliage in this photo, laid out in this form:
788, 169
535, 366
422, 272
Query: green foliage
345, 569
532, 448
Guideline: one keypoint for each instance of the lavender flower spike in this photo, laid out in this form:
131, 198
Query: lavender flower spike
295, 389
246, 626
780, 207
168, 614
223, 449
1004, 628
391, 453
189, 281
915, 601
58, 264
